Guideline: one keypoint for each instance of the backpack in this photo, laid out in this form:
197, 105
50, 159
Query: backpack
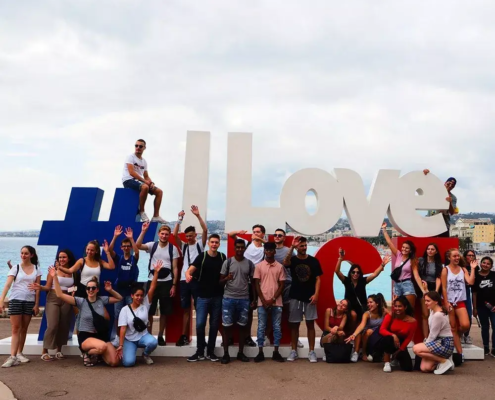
164, 272
17, 272
185, 249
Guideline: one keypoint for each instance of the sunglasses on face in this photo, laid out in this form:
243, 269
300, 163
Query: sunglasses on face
278, 235
138, 146
90, 288
355, 272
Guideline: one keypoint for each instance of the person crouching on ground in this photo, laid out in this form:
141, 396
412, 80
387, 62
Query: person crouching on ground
93, 328
133, 323
397, 331
269, 278
438, 347
335, 321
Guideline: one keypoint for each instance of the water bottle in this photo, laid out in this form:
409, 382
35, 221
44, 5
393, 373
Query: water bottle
488, 305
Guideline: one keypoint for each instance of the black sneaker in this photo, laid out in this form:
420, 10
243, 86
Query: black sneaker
242, 357
249, 342
212, 357
196, 357
259, 358
182, 341
225, 359
161, 341
487, 350
277, 357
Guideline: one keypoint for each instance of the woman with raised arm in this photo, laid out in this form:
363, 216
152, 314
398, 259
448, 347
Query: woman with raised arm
90, 265
23, 302
92, 327
397, 331
355, 286
484, 302
58, 312
430, 269
406, 264
133, 323
454, 279
335, 320
367, 331
438, 347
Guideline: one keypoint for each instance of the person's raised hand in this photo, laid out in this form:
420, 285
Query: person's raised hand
158, 266
474, 264
195, 210
426, 171
129, 233
52, 271
181, 215
296, 242
386, 260
384, 225
118, 231
145, 226
108, 286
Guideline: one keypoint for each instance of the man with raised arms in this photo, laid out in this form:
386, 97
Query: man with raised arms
206, 270
168, 278
255, 253
304, 292
135, 176
190, 250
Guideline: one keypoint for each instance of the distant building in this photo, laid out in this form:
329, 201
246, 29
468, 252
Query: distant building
481, 231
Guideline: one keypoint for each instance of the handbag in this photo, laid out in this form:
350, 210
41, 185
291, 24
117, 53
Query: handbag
395, 275
338, 352
139, 324
99, 321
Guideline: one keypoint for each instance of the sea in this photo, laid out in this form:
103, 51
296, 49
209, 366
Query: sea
10, 248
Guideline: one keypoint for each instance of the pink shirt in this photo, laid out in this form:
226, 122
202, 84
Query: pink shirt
406, 269
269, 276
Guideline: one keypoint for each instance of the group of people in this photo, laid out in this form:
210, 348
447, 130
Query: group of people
278, 279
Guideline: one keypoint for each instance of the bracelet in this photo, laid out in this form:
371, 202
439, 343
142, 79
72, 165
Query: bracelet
174, 284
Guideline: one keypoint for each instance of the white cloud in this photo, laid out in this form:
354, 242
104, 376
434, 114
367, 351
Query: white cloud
321, 84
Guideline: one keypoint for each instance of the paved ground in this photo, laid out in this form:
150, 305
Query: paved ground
174, 378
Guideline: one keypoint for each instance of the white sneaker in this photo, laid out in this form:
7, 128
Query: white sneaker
387, 367
442, 368
292, 356
11, 362
267, 341
144, 217
324, 358
468, 339
147, 359
299, 344
312, 356
159, 219
354, 357
370, 358
22, 358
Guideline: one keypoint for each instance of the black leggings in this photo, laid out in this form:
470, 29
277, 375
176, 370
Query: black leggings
387, 345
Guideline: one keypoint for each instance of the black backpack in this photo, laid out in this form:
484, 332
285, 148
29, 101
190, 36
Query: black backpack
164, 272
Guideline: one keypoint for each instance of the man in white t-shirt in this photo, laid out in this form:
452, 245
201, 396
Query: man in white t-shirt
135, 176
190, 250
167, 277
255, 252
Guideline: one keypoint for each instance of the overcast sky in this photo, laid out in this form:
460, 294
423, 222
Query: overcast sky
359, 84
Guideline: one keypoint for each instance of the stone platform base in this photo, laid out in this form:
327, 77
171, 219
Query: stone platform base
34, 348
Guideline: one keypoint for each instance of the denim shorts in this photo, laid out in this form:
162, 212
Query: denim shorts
404, 288
235, 310
134, 184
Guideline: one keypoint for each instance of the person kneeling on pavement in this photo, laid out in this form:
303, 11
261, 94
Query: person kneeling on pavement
133, 324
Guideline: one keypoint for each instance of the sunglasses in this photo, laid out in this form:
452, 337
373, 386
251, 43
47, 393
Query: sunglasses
355, 272
140, 146
90, 288
278, 235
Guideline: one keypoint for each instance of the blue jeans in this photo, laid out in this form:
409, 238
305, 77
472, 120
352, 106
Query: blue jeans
149, 343
276, 320
486, 318
126, 300
205, 306
235, 310
469, 306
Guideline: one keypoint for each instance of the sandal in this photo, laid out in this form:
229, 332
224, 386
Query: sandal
59, 356
46, 357
88, 362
